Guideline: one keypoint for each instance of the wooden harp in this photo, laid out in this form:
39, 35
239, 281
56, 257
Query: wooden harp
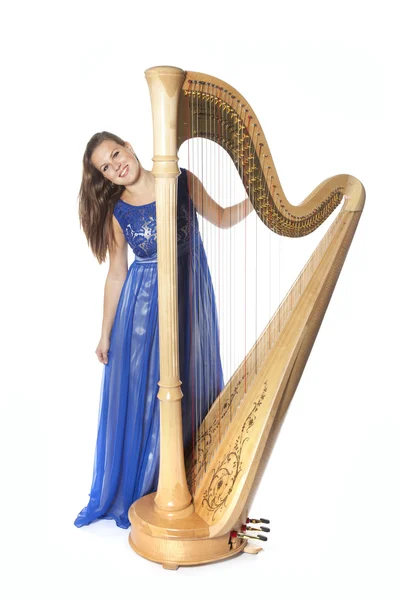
172, 526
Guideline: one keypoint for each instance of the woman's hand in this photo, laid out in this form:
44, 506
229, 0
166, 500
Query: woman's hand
102, 349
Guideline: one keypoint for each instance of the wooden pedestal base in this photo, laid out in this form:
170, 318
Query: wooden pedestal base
175, 543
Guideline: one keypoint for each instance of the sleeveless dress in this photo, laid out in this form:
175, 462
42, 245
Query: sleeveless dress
126, 463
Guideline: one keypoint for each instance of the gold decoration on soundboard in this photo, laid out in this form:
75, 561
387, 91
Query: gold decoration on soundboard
224, 476
208, 438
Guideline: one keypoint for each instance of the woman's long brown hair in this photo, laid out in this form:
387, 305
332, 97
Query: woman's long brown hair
97, 198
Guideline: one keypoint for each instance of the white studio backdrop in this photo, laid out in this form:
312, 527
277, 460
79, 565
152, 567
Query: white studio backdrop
322, 79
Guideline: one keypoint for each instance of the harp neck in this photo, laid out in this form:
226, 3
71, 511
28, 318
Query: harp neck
210, 108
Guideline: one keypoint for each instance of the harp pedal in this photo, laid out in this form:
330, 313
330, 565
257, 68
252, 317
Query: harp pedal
257, 521
243, 535
255, 536
261, 538
259, 528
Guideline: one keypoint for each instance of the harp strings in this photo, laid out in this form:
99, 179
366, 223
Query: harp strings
221, 156
266, 340
244, 304
229, 261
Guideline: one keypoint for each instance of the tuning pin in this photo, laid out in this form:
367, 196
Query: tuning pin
260, 528
257, 521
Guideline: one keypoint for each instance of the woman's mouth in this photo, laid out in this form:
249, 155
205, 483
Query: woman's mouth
124, 171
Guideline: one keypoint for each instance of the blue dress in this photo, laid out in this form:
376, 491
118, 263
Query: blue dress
126, 463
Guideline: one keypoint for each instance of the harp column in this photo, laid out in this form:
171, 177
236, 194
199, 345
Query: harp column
173, 498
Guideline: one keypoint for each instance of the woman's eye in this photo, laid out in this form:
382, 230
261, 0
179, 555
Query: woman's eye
114, 155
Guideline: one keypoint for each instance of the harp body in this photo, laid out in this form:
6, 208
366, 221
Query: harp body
190, 519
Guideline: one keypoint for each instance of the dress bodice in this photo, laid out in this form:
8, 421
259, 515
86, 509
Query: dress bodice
139, 222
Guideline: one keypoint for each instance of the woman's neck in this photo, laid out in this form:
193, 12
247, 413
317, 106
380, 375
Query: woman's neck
143, 190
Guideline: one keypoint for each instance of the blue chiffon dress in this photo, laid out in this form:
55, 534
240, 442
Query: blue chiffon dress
126, 463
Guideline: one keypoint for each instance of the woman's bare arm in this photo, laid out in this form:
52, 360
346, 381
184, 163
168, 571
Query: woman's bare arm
115, 278
213, 212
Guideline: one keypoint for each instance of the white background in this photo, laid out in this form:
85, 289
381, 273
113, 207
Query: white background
323, 80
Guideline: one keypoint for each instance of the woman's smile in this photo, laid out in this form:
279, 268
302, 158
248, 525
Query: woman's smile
124, 171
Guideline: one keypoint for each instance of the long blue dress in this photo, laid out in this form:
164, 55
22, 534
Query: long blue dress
126, 464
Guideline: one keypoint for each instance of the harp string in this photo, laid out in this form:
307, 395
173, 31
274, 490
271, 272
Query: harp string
193, 341
217, 176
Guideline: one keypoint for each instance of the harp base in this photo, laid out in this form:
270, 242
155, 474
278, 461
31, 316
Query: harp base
175, 543
174, 565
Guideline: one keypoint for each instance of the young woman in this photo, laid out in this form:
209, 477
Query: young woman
117, 209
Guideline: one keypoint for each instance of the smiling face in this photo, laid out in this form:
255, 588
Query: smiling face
116, 163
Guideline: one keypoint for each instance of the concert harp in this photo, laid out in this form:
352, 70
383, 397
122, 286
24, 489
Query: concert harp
199, 509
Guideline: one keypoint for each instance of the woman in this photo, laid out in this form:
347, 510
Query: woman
117, 208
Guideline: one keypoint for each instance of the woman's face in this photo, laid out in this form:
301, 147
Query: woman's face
116, 163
